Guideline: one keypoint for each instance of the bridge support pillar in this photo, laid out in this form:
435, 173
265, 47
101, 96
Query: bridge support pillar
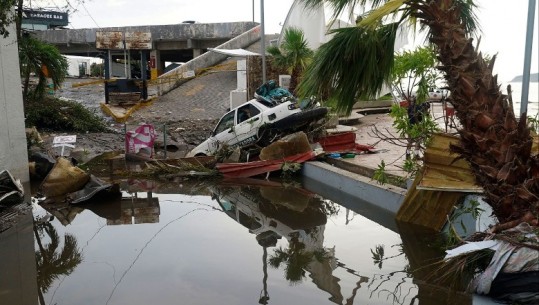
197, 52
157, 66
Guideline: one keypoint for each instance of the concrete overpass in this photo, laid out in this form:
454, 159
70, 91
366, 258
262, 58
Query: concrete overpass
173, 43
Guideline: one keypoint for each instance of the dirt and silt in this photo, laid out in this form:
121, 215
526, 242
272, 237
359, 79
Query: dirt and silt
182, 133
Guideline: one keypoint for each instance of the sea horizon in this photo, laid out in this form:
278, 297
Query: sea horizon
533, 96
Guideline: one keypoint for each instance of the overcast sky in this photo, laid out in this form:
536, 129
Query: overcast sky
503, 22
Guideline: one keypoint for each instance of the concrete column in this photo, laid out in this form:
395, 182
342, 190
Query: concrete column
155, 57
197, 52
13, 152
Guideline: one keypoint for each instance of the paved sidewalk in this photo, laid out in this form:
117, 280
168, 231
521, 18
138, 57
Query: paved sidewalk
393, 155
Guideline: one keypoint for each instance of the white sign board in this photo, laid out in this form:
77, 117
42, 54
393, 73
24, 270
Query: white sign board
188, 74
64, 139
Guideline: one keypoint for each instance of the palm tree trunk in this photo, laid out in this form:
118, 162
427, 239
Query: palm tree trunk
294, 81
497, 146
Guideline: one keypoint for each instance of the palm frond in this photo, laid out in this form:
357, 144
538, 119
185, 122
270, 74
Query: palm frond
375, 17
341, 6
34, 55
467, 15
355, 63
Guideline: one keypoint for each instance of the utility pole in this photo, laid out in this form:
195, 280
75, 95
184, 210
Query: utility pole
527, 59
263, 41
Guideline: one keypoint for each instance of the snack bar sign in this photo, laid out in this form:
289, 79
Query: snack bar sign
46, 17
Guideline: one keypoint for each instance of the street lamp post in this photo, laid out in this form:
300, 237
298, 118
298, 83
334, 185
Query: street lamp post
263, 41
527, 58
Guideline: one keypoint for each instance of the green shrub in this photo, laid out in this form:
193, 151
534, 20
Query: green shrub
61, 115
97, 70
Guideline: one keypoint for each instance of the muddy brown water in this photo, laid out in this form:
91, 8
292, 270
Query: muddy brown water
258, 242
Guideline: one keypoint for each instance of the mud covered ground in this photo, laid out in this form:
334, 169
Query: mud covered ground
181, 133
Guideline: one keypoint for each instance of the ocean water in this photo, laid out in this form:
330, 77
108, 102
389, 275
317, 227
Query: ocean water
533, 96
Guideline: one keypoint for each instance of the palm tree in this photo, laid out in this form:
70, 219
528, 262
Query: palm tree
358, 60
293, 55
42, 59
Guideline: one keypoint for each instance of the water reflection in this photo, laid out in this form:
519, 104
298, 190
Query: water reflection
270, 212
52, 258
424, 249
278, 240
118, 210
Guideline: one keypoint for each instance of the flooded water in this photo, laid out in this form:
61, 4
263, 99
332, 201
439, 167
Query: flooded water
260, 242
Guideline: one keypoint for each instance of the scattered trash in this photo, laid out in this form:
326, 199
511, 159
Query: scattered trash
289, 145
343, 143
249, 169
40, 165
64, 178
140, 141
516, 255
93, 188
11, 190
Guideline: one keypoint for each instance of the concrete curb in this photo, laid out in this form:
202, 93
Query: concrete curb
121, 116
387, 197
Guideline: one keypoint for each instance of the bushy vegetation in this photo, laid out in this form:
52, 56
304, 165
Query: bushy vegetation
97, 70
43, 60
61, 115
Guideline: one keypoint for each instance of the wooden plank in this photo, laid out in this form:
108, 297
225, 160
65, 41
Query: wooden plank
438, 187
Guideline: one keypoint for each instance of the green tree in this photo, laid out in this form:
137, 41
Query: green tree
359, 60
39, 58
293, 55
413, 74
96, 70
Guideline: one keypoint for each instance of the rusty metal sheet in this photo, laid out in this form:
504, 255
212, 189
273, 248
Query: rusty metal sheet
109, 40
138, 40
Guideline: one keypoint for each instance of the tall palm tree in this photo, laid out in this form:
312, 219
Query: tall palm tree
358, 60
34, 55
293, 54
